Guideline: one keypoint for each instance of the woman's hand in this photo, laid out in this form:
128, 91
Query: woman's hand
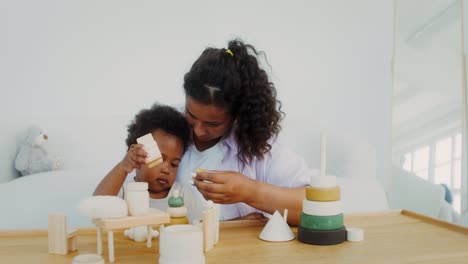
134, 159
225, 187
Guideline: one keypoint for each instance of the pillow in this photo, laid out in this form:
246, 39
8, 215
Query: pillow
27, 201
408, 191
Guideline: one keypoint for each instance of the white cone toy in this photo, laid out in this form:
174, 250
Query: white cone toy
277, 228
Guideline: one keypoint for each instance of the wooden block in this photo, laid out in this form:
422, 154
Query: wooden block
216, 220
71, 232
151, 148
208, 229
205, 229
154, 162
72, 239
110, 246
71, 243
212, 226
58, 234
149, 236
99, 241
154, 217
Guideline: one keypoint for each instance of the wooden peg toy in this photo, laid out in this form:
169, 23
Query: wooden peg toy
177, 210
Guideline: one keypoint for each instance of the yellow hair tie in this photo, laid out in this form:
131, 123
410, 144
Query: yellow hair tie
230, 52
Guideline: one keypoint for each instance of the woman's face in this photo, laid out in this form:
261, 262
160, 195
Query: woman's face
161, 177
209, 122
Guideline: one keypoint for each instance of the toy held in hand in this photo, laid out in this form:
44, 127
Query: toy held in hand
151, 148
33, 157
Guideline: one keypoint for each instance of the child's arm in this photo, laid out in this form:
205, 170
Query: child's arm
111, 184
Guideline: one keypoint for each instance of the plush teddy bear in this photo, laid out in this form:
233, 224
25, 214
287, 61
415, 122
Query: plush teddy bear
33, 157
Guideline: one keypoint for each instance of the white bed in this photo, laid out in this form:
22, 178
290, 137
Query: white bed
61, 191
26, 201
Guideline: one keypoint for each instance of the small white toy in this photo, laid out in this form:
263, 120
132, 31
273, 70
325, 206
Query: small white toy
140, 233
137, 198
354, 234
151, 147
33, 157
60, 238
277, 228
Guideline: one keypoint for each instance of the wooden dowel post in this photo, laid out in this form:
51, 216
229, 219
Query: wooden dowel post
99, 241
110, 242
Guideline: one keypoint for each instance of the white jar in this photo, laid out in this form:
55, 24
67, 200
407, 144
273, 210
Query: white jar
181, 244
88, 259
137, 198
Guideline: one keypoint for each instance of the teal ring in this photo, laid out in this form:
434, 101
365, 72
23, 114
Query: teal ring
315, 222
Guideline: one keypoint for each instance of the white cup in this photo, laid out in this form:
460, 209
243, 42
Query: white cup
137, 198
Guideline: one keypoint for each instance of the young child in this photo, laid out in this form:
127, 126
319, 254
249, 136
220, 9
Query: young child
171, 132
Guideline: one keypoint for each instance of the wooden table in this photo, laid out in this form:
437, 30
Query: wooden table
390, 237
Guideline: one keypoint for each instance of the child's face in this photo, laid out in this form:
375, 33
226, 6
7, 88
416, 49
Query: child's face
161, 177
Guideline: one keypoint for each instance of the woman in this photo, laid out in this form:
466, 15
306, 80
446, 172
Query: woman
235, 118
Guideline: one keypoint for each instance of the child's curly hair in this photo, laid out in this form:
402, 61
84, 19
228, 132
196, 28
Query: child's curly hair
233, 78
161, 117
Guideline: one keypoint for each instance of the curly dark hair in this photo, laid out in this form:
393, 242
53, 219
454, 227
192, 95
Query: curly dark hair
161, 117
243, 87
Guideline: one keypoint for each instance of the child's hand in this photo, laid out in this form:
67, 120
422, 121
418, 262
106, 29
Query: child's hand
135, 158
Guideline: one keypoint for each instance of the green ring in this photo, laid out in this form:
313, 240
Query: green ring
176, 201
315, 222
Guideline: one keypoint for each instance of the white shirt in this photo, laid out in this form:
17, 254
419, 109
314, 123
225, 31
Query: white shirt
280, 167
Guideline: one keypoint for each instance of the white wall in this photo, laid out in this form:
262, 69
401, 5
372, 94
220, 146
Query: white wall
105, 60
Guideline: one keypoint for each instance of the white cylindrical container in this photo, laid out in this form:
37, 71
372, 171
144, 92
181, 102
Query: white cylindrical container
181, 244
177, 211
137, 198
88, 259
321, 208
354, 234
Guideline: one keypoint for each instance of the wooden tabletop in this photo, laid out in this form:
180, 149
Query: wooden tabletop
390, 237
153, 216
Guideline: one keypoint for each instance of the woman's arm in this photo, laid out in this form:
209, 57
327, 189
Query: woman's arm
269, 198
227, 187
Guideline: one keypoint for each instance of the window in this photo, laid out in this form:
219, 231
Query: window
438, 162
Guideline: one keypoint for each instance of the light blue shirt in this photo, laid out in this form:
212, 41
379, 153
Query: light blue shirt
281, 167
